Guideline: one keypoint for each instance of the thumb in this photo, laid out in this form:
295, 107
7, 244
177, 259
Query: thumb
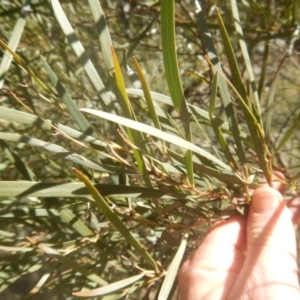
271, 241
270, 266
269, 222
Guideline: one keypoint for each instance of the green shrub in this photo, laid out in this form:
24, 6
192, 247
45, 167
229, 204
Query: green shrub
107, 185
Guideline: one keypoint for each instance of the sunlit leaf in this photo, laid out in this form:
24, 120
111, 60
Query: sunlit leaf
158, 133
14, 41
110, 287
116, 221
172, 271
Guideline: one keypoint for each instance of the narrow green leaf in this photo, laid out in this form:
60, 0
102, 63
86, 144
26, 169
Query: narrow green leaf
243, 45
167, 14
188, 161
164, 118
258, 137
20, 165
124, 100
132, 76
16, 249
263, 69
73, 265
80, 52
103, 33
114, 219
24, 212
78, 189
135, 137
147, 94
68, 217
158, 133
110, 287
167, 100
172, 271
232, 61
224, 175
216, 127
213, 97
62, 152
23, 65
223, 88
14, 41
26, 118
77, 116
252, 116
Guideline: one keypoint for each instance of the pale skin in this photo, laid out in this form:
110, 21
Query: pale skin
247, 258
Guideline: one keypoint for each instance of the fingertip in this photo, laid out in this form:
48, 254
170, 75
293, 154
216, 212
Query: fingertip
265, 200
270, 233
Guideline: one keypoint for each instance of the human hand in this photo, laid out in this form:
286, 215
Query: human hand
246, 258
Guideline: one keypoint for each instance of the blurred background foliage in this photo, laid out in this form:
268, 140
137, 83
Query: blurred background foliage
57, 243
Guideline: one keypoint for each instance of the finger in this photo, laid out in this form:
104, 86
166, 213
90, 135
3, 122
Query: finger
294, 206
212, 270
271, 246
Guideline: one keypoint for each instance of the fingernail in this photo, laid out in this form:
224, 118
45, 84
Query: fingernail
265, 199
